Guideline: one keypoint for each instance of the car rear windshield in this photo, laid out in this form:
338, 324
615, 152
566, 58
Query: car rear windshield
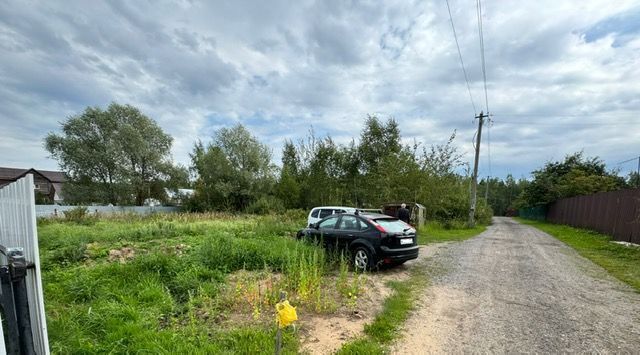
392, 225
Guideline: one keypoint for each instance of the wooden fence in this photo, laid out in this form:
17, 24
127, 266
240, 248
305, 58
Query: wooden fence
18, 230
616, 213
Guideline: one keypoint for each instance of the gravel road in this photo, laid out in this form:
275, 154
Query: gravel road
515, 289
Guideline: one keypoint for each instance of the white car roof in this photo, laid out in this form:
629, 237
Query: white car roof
334, 207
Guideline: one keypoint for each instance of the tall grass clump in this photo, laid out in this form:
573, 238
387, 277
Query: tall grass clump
79, 215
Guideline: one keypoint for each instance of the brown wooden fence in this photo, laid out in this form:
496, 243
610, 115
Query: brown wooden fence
615, 213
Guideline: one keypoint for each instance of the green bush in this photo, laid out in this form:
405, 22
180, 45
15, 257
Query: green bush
483, 213
266, 205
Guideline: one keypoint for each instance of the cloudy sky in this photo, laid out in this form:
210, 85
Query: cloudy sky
562, 76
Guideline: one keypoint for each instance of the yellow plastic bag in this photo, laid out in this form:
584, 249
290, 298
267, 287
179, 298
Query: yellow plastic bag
286, 314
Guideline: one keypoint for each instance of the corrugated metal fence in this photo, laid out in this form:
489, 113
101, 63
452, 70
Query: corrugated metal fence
539, 213
18, 229
615, 213
53, 210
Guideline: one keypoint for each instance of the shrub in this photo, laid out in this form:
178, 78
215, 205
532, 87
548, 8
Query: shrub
70, 252
483, 213
79, 215
266, 205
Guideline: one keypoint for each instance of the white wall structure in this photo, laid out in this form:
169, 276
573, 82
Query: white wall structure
58, 211
18, 229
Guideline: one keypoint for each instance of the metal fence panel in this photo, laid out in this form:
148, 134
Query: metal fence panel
18, 229
53, 210
537, 212
616, 213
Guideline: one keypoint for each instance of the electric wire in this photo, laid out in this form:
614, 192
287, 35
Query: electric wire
613, 115
628, 160
466, 77
484, 79
482, 60
575, 124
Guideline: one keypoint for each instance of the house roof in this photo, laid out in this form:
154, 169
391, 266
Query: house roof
53, 176
11, 173
14, 174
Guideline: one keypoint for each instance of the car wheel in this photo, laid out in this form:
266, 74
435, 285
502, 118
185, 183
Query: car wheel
362, 259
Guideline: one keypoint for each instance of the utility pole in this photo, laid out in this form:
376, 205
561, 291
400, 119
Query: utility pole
474, 177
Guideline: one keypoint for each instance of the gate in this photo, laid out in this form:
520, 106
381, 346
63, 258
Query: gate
21, 292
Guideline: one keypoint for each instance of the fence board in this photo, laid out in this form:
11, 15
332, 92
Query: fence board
18, 229
616, 213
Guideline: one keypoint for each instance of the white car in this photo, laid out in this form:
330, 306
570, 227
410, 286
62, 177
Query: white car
318, 213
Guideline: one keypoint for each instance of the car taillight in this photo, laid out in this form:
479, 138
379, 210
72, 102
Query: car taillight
378, 227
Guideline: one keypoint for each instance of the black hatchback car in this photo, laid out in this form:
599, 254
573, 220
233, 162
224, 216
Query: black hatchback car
371, 239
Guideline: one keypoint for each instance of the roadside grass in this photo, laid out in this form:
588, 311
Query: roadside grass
362, 346
437, 232
203, 283
619, 260
395, 311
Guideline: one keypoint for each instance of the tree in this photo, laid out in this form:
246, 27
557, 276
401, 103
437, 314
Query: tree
110, 156
576, 175
233, 170
288, 186
378, 140
503, 194
441, 159
214, 182
145, 149
633, 180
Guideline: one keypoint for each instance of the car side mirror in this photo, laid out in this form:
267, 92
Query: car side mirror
315, 225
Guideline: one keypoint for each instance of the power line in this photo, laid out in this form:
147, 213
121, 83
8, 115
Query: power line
481, 36
628, 160
466, 78
595, 124
486, 95
619, 114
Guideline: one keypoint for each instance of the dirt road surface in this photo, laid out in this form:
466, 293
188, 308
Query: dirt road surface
515, 289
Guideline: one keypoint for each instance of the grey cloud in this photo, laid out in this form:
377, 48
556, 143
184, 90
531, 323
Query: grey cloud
281, 67
334, 43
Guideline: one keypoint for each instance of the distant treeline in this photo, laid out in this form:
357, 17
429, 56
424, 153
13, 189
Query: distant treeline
121, 156
234, 171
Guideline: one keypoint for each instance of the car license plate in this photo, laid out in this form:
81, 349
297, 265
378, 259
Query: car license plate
404, 241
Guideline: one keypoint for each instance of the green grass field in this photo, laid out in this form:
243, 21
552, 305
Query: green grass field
197, 284
437, 232
620, 261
